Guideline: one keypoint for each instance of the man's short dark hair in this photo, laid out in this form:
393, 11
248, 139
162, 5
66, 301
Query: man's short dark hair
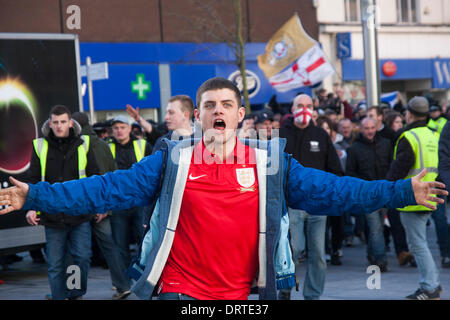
377, 110
322, 119
60, 109
81, 118
186, 103
216, 84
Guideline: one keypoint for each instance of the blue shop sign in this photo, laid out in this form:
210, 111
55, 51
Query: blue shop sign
135, 84
441, 74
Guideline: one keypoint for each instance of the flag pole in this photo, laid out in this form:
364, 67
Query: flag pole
371, 66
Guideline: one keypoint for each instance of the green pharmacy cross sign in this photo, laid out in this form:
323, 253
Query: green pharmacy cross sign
141, 87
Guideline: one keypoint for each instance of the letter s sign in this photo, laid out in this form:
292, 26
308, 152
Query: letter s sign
344, 45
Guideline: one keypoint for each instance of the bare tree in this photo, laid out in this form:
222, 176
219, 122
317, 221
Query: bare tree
207, 23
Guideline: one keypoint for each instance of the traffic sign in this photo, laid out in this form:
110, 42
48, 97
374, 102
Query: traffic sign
97, 71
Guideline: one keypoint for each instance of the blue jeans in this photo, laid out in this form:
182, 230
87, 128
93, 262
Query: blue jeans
103, 235
315, 243
415, 225
397, 231
174, 296
443, 237
351, 229
376, 246
78, 241
127, 225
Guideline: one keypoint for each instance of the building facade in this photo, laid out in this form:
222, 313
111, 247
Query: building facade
158, 48
413, 46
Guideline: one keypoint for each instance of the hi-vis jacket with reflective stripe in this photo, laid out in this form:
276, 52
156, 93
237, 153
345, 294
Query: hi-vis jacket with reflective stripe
437, 124
308, 189
424, 143
41, 147
57, 160
138, 146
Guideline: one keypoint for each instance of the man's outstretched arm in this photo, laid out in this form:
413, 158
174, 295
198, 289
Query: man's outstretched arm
13, 197
116, 190
322, 193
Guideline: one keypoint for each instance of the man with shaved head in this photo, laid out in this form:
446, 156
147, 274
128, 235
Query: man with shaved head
369, 158
312, 147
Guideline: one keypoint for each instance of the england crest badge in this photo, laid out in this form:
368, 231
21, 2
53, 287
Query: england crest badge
245, 177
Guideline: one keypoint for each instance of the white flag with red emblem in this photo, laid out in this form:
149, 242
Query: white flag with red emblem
293, 59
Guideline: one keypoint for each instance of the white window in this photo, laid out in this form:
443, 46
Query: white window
352, 11
406, 11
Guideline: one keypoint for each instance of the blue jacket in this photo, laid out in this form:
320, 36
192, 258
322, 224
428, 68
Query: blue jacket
444, 155
312, 190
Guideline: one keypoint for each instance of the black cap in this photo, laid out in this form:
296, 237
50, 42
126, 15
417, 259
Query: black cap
435, 108
263, 116
99, 126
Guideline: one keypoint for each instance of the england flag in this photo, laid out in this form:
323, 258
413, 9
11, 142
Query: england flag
293, 59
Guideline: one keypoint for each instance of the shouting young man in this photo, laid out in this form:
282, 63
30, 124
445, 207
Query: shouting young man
221, 219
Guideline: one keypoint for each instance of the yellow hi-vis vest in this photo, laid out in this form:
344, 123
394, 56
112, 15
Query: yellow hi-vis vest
138, 146
438, 124
41, 148
424, 143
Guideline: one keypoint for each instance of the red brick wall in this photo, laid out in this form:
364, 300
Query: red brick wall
30, 16
156, 20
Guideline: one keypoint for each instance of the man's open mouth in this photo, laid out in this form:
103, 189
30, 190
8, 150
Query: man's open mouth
219, 124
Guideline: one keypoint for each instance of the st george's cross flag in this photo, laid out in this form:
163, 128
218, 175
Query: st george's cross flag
293, 59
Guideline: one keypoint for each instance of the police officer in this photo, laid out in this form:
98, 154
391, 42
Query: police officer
126, 150
416, 149
437, 120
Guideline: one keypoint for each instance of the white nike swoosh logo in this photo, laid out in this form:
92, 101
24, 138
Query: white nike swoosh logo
195, 178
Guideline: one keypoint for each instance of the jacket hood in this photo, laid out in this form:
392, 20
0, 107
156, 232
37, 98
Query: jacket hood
87, 130
45, 129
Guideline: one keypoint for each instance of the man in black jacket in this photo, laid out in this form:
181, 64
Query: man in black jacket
397, 230
312, 147
127, 225
101, 227
63, 155
444, 171
369, 158
444, 154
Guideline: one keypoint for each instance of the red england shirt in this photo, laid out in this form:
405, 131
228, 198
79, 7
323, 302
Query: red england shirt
215, 249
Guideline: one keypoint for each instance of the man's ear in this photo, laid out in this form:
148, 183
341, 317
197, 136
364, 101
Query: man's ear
241, 112
70, 123
197, 115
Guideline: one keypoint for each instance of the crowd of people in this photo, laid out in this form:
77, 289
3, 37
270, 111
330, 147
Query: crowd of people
325, 132
363, 145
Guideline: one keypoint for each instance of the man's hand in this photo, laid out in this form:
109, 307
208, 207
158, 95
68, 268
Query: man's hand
100, 216
134, 113
32, 218
423, 190
13, 197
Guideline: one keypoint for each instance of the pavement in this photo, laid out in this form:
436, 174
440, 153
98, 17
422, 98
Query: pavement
26, 280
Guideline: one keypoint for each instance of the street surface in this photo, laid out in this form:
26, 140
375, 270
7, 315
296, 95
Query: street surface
26, 280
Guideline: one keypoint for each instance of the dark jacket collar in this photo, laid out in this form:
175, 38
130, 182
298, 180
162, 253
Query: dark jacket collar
290, 124
416, 124
362, 139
